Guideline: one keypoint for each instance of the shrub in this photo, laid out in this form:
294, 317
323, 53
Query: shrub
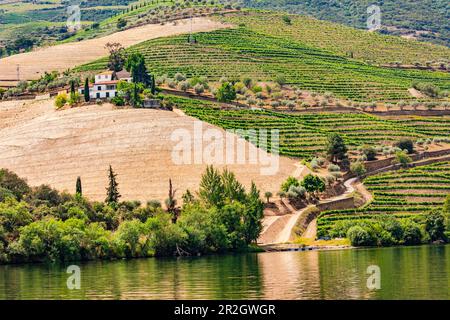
60, 100
179, 77
402, 159
370, 153
435, 225
118, 101
359, 236
411, 233
358, 168
333, 168
199, 88
290, 181
184, 85
14, 184
405, 144
226, 92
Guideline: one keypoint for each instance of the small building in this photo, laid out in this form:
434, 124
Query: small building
152, 103
105, 85
123, 75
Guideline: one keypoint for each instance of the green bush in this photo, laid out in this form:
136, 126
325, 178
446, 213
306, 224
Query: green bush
359, 236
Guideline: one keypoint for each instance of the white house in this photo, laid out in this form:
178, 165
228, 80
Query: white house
105, 85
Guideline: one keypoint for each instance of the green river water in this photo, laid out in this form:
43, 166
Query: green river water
406, 273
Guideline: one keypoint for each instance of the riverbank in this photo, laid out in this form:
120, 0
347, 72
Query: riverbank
315, 274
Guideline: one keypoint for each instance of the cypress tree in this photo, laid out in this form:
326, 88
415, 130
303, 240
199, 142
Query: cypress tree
112, 192
78, 188
86, 90
72, 87
152, 84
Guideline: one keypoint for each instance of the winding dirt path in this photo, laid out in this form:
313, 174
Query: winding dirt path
280, 230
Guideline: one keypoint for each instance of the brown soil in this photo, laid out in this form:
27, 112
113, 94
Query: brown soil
62, 57
54, 147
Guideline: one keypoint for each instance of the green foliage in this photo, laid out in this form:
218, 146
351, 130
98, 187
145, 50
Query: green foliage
52, 226
336, 149
258, 52
121, 23
116, 57
435, 225
14, 184
402, 158
360, 237
313, 184
112, 191
78, 187
87, 97
290, 181
135, 64
60, 100
226, 92
370, 153
287, 20
404, 205
358, 168
406, 144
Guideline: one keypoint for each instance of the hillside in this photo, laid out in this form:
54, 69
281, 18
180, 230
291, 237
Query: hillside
304, 135
85, 141
362, 45
64, 56
403, 194
254, 51
24, 24
426, 20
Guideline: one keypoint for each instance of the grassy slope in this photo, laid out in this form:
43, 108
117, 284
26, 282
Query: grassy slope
402, 194
251, 51
304, 135
432, 16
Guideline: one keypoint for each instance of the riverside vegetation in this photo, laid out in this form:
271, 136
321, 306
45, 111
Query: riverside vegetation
42, 224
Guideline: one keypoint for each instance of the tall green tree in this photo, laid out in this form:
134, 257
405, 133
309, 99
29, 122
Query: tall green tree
78, 188
112, 191
336, 148
87, 97
152, 84
116, 57
135, 64
72, 87
253, 215
435, 225
211, 187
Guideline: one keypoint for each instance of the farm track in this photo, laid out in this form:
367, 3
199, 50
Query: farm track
279, 230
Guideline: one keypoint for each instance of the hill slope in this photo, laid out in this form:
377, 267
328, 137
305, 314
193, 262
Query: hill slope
85, 141
253, 50
426, 19
68, 55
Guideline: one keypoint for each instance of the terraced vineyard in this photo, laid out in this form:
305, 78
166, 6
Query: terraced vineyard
366, 46
239, 52
304, 135
400, 194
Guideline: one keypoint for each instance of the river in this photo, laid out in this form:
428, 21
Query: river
421, 272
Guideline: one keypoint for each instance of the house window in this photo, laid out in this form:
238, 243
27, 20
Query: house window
99, 88
82, 91
98, 95
107, 94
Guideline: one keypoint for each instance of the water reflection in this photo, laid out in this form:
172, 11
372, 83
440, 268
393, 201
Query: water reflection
406, 273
